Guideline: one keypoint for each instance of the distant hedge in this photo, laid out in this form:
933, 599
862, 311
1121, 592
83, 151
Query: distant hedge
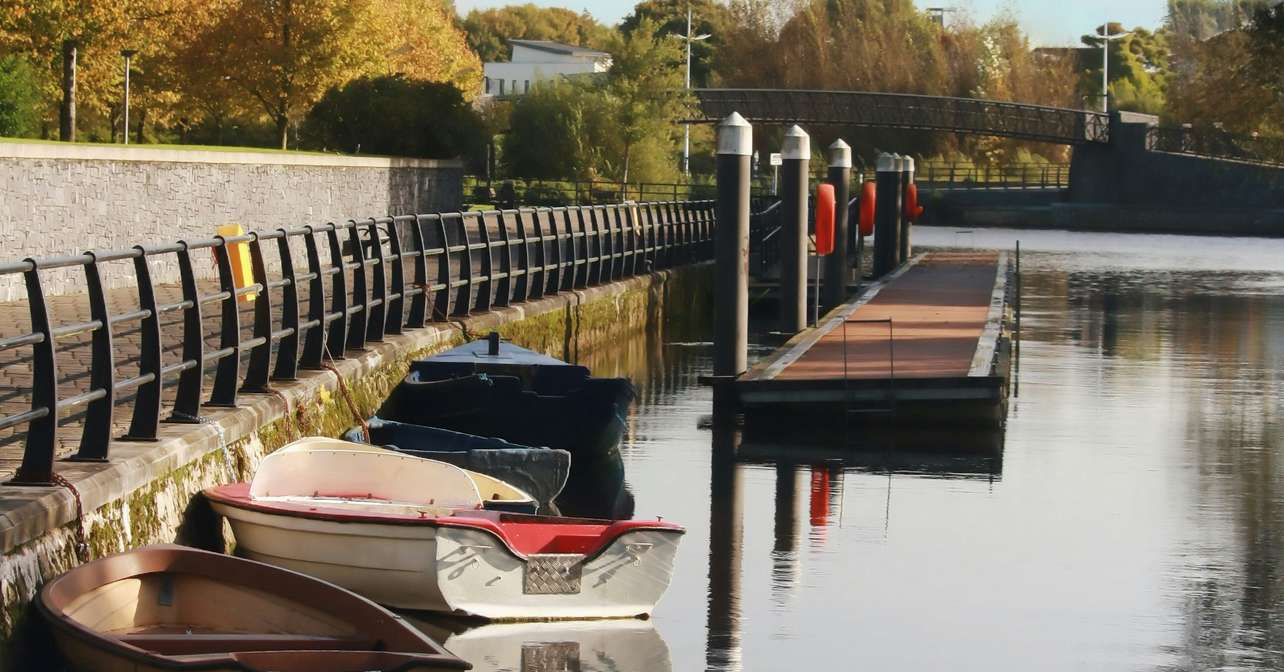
396, 116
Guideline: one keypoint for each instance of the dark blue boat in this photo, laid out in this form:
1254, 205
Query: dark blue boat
494, 389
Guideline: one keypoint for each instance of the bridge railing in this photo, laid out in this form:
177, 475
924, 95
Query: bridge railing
1216, 144
952, 175
330, 289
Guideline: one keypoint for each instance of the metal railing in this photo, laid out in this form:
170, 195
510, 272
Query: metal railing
539, 192
943, 176
1216, 144
393, 274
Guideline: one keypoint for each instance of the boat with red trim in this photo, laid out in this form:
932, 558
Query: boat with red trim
352, 521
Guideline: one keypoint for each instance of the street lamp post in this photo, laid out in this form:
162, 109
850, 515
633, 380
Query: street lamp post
128, 54
1106, 38
686, 133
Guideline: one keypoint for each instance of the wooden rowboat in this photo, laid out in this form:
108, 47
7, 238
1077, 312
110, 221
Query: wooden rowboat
176, 608
363, 519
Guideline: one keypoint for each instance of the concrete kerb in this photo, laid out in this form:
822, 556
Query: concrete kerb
27, 513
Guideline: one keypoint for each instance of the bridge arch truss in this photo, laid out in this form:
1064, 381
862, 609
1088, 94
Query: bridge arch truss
907, 111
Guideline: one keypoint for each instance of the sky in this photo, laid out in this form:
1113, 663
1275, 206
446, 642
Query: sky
1048, 22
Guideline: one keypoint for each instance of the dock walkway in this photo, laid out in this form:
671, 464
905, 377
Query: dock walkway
928, 343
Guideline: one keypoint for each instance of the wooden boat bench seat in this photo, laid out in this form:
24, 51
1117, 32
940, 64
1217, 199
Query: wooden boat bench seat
183, 644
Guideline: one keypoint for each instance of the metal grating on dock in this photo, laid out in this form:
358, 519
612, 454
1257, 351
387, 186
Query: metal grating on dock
927, 343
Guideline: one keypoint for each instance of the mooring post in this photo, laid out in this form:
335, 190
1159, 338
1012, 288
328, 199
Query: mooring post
731, 283
837, 274
907, 178
886, 215
795, 155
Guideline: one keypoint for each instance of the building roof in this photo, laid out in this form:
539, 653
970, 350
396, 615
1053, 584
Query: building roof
558, 48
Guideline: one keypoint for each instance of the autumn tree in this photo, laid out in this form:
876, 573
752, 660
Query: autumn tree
645, 89
1138, 75
489, 30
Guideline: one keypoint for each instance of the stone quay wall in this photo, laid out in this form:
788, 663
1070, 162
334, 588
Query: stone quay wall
58, 199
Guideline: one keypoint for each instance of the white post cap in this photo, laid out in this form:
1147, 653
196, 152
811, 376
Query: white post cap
797, 144
840, 155
886, 163
909, 164
735, 136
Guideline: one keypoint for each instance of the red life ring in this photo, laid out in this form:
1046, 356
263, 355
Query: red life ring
824, 219
867, 195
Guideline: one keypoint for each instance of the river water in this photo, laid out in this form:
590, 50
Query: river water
1131, 517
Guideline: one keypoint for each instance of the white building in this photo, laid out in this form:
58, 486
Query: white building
534, 60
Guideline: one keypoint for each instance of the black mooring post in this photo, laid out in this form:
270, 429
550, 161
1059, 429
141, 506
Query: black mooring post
886, 215
731, 283
836, 271
905, 250
796, 157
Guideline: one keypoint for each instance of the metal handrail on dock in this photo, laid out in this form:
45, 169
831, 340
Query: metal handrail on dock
394, 274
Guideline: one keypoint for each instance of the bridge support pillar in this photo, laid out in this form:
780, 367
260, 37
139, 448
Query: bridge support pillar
837, 271
796, 158
886, 215
731, 248
905, 249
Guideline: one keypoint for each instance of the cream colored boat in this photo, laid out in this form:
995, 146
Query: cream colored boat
420, 534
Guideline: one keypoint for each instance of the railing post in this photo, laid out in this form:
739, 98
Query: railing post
837, 272
229, 366
731, 283
544, 276
522, 288
357, 325
287, 351
314, 343
796, 155
396, 301
486, 283
95, 435
377, 308
260, 365
504, 288
147, 401
419, 305
337, 333
441, 302
463, 299
187, 400
42, 432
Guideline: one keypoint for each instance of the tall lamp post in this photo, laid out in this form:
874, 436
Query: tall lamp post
686, 132
128, 54
1106, 38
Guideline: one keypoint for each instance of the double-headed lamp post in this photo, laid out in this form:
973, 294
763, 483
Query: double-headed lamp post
686, 132
1106, 38
128, 54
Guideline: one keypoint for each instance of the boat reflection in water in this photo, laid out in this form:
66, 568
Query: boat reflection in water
958, 453
622, 645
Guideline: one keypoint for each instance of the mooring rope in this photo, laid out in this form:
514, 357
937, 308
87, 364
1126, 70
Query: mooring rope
229, 470
82, 547
347, 396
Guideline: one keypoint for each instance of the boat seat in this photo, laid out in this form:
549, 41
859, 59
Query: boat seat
181, 643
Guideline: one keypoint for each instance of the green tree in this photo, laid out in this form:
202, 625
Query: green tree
557, 131
397, 116
644, 88
19, 97
708, 17
489, 30
1266, 47
1139, 67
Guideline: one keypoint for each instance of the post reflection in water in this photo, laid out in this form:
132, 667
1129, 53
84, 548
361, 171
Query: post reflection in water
785, 560
726, 533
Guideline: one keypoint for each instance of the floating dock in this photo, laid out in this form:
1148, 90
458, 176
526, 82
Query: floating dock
928, 343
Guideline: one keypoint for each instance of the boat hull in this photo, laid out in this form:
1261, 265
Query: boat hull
620, 645
456, 569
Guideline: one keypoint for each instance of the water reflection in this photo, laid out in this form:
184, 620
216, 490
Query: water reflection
624, 645
726, 534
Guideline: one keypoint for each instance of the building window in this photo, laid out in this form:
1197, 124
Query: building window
528, 86
486, 84
501, 87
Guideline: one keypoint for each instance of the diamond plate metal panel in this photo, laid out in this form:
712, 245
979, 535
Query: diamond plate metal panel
552, 574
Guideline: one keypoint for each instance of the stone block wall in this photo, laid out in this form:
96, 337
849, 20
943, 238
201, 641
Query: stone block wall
58, 199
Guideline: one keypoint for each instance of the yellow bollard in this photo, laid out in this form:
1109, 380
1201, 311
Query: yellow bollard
242, 270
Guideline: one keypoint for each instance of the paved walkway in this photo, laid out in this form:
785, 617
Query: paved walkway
938, 310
